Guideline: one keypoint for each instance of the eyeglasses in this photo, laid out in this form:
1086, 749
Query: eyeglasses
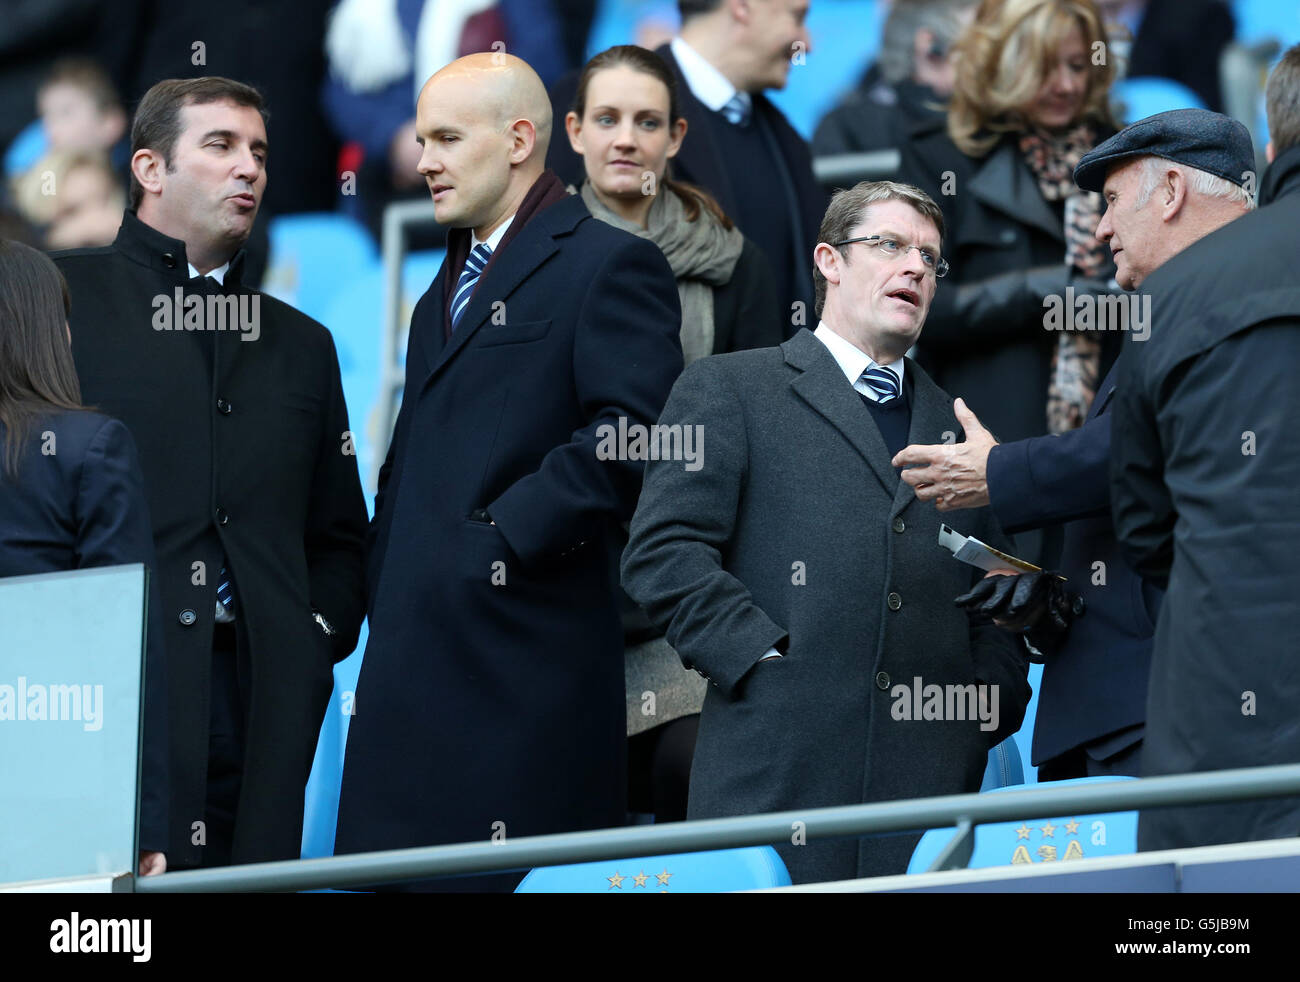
892, 248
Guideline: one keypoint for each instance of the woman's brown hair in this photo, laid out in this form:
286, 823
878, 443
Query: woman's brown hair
37, 374
1003, 58
642, 60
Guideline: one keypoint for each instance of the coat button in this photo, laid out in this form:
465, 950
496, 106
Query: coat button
169, 260
223, 407
187, 617
222, 517
1079, 606
882, 680
898, 525
894, 601
1008, 236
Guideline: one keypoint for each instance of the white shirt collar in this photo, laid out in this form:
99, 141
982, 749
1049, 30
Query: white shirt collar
706, 83
218, 274
495, 238
853, 361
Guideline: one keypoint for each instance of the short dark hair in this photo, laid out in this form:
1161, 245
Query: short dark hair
1282, 101
37, 374
693, 8
845, 211
157, 123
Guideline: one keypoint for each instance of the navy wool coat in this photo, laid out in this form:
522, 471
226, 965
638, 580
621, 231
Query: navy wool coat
491, 695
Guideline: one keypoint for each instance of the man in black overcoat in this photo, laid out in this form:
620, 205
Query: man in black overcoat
1204, 478
490, 702
235, 402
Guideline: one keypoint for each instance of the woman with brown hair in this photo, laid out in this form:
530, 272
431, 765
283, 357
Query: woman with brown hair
71, 492
626, 125
1033, 81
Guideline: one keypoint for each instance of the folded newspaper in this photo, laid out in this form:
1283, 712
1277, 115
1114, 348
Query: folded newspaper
971, 550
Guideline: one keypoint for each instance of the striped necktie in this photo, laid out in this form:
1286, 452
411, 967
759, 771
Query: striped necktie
478, 258
737, 109
883, 383
225, 597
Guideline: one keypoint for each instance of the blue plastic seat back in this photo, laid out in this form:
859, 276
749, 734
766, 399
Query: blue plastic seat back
27, 148
1059, 839
314, 255
1138, 98
1005, 768
750, 868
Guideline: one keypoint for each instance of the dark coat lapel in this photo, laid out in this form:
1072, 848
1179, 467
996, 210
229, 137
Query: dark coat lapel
1004, 184
522, 257
931, 416
823, 386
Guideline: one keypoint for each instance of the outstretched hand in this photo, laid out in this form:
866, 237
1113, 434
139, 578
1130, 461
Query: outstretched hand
952, 475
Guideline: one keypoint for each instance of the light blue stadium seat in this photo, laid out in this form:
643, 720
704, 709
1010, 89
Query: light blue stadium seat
27, 148
1259, 20
750, 868
1138, 98
313, 256
845, 40
1005, 767
1060, 839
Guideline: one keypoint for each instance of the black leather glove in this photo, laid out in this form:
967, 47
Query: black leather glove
1000, 306
1036, 605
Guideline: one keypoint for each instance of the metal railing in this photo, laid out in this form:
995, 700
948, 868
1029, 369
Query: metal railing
964, 811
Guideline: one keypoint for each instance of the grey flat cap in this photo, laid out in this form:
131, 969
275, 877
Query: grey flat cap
1197, 138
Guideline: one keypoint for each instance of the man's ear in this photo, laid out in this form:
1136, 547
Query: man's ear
523, 139
1172, 192
1270, 153
573, 126
828, 260
148, 167
741, 11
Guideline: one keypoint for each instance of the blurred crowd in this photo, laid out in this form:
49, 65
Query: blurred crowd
340, 86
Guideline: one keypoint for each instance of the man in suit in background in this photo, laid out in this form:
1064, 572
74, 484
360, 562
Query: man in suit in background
490, 701
803, 579
1097, 649
235, 402
740, 147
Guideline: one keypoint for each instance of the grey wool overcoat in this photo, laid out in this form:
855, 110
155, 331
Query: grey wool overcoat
794, 531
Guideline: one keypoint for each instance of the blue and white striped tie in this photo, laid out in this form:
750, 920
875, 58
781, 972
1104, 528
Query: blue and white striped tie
883, 383
737, 109
225, 597
478, 258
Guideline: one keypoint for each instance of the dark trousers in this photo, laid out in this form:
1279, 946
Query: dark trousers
659, 768
229, 705
1080, 763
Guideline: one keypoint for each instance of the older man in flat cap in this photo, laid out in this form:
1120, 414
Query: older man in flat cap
1204, 472
1167, 180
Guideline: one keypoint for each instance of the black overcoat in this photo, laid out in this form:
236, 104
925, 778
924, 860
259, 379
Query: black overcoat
1203, 490
490, 700
246, 455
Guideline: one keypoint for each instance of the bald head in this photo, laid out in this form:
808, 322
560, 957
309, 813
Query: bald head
484, 123
500, 88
